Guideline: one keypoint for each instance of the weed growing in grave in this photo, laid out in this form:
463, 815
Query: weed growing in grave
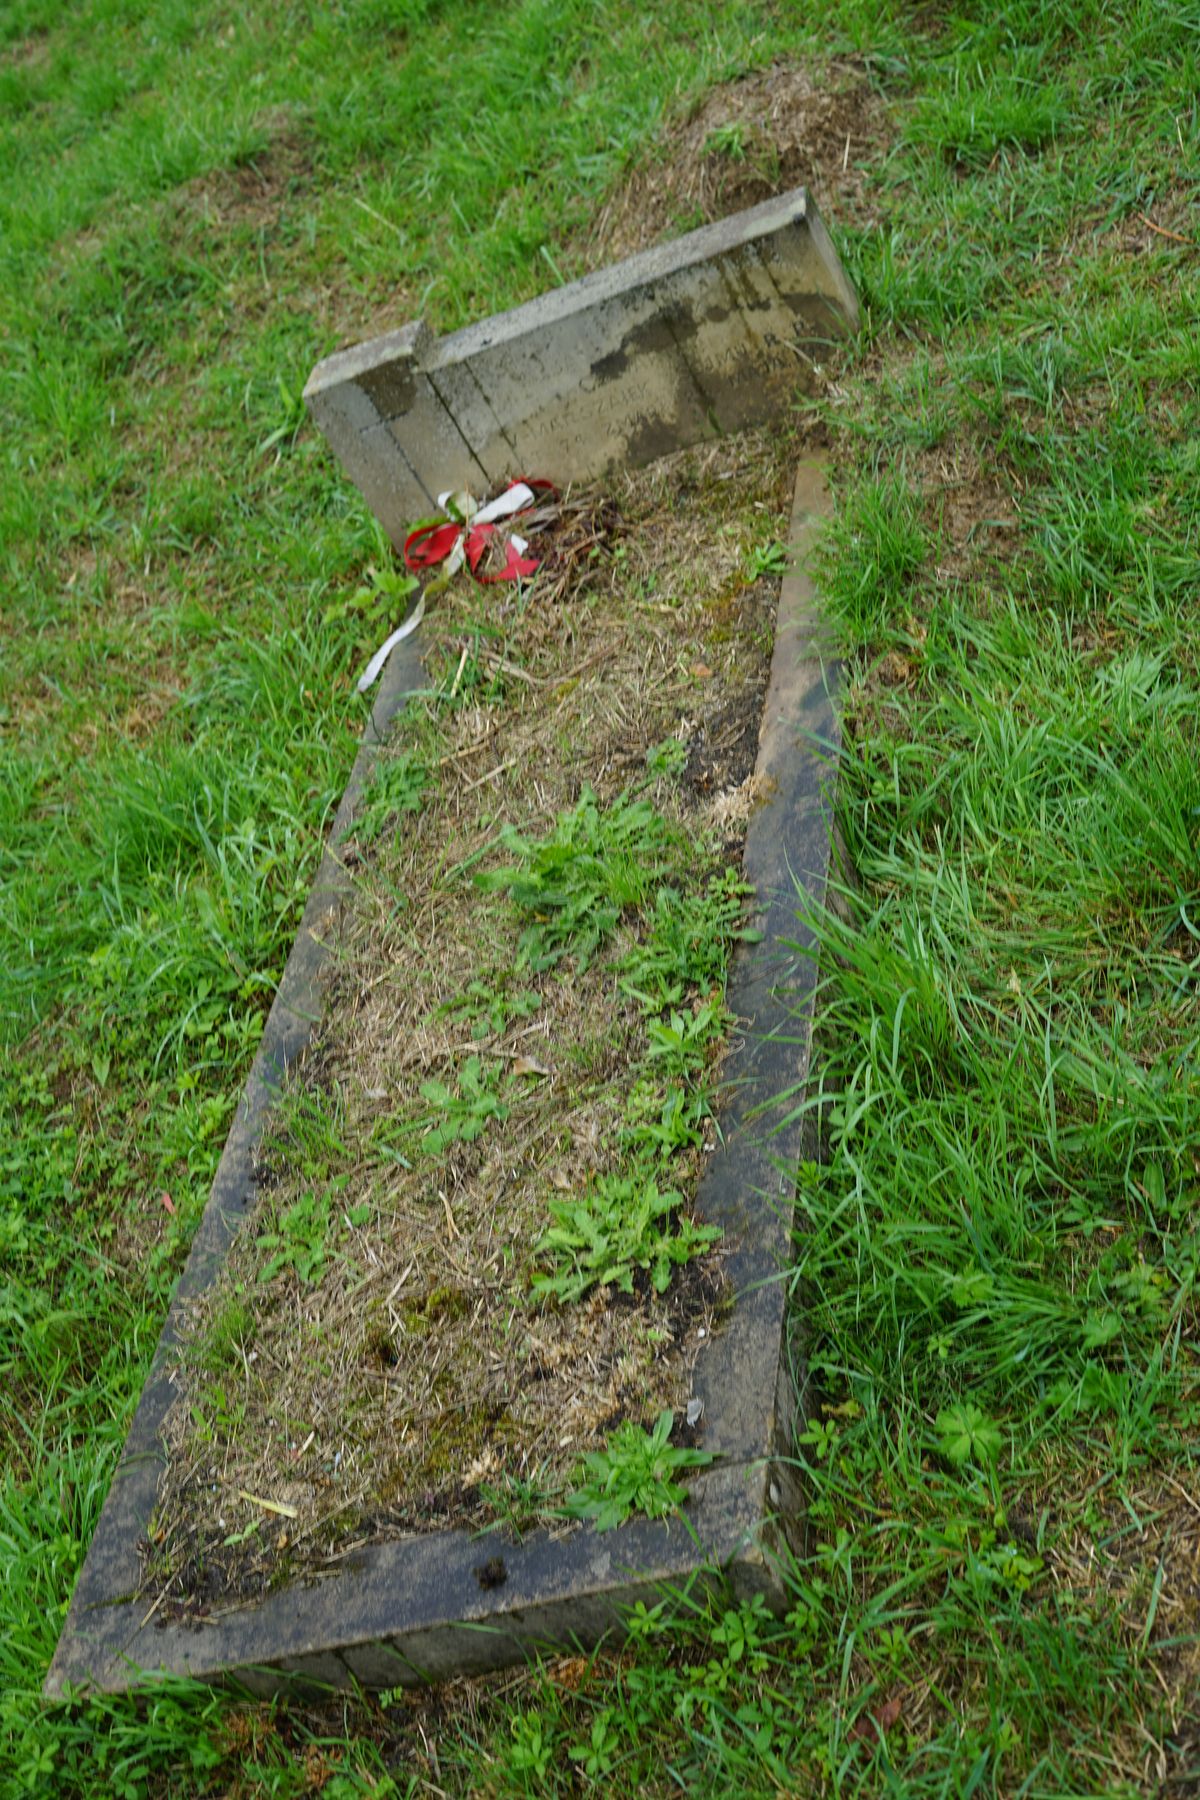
680, 1044
474, 675
767, 559
727, 140
520, 1502
578, 882
687, 942
228, 1336
460, 1116
299, 1240
637, 1472
491, 1008
398, 785
666, 760
216, 1412
305, 1131
622, 1223
661, 1122
574, 885
300, 1236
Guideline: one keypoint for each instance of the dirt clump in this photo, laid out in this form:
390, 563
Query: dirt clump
789, 125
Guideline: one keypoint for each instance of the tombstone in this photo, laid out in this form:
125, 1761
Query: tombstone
706, 335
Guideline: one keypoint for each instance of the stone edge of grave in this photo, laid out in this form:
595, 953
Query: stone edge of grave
706, 334
416, 1608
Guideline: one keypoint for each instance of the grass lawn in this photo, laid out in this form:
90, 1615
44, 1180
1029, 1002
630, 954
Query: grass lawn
998, 1258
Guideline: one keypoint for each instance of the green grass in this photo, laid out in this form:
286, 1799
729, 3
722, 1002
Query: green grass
998, 1257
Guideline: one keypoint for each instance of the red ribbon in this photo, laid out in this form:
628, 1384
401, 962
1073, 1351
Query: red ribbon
435, 540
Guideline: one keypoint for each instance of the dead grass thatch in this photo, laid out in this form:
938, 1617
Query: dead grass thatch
406, 1379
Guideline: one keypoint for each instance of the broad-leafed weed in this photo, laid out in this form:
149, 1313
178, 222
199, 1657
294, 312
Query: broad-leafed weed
636, 1473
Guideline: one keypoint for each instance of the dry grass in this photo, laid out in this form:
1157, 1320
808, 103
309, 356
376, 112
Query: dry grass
819, 126
413, 1378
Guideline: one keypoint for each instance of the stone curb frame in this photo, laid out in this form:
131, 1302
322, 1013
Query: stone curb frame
416, 1609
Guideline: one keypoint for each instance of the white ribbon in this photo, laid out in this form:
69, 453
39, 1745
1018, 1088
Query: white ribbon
370, 674
503, 507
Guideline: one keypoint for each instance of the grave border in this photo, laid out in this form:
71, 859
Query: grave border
415, 1609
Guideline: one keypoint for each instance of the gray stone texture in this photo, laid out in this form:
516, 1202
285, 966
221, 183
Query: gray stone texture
708, 334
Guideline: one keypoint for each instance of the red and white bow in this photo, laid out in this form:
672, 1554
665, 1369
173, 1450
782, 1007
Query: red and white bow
461, 538
465, 535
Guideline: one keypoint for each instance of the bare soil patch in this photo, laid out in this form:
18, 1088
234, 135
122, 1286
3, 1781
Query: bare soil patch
1165, 223
29, 52
255, 192
1139, 1560
819, 126
383, 1354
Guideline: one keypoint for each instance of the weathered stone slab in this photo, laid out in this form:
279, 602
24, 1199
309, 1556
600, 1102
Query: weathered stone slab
415, 1609
709, 334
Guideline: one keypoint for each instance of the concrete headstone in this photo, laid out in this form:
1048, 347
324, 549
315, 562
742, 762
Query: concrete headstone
708, 334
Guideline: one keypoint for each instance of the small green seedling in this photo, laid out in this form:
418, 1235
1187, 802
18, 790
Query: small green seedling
531, 1751
728, 140
519, 1502
667, 759
688, 942
491, 1008
459, 1118
379, 603
574, 886
306, 1130
217, 1413
470, 674
598, 1756
300, 1240
768, 559
968, 1435
398, 785
635, 1473
680, 1044
663, 1123
230, 1331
